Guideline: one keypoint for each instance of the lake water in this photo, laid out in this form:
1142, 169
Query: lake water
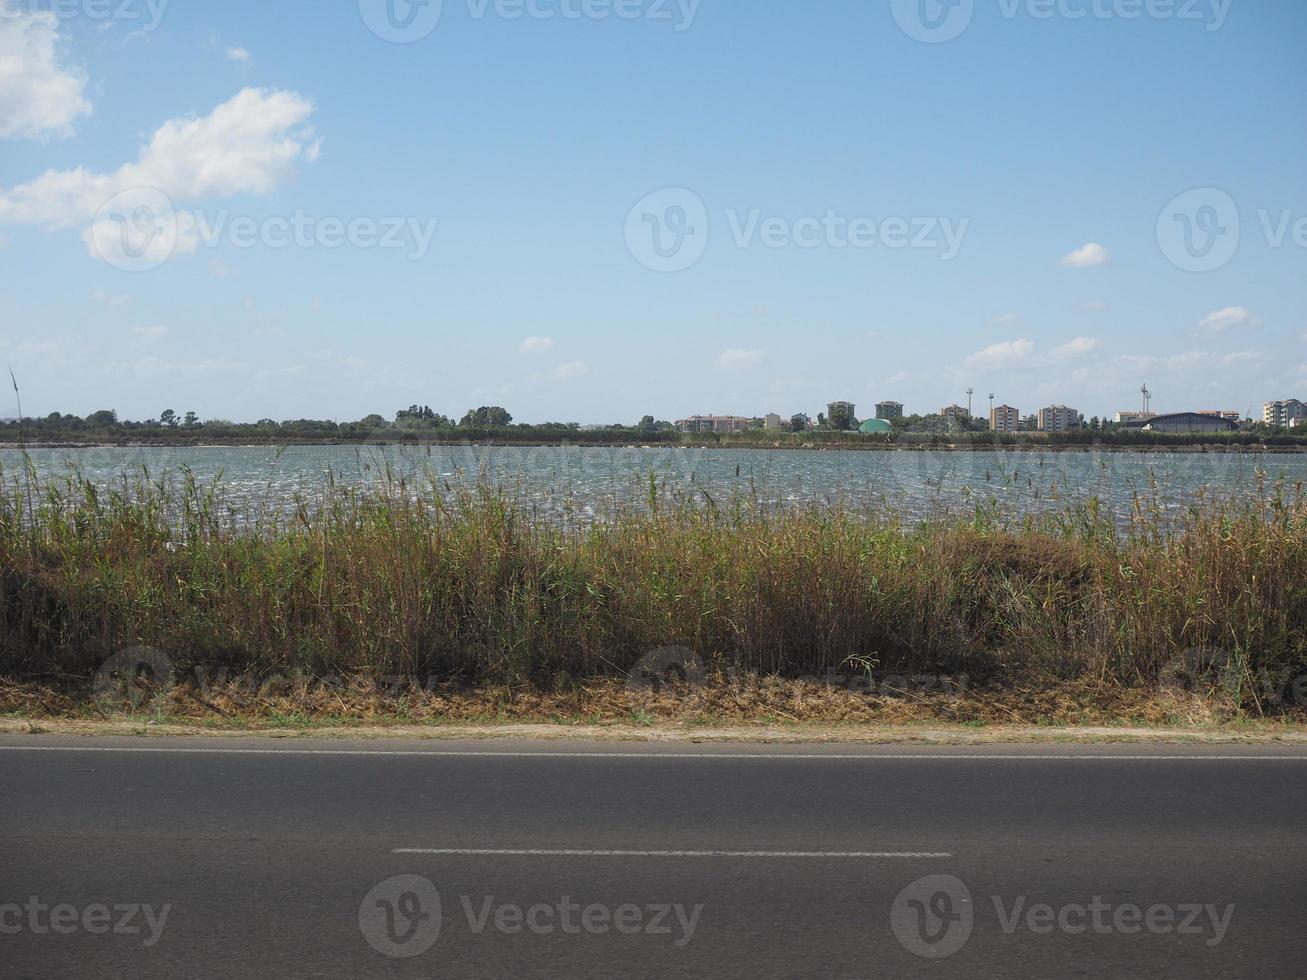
587, 482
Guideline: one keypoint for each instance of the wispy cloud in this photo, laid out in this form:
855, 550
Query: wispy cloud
239, 55
1074, 348
997, 357
144, 336
109, 299
1230, 318
570, 371
735, 358
1005, 320
536, 345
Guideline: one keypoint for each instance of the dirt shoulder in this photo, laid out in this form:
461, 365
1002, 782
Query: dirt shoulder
1255, 733
762, 710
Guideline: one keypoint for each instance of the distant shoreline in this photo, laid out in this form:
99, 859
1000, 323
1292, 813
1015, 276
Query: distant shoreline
1161, 445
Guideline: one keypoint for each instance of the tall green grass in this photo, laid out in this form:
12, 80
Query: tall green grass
467, 584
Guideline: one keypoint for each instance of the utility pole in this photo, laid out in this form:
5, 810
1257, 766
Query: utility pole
991, 405
1148, 397
970, 392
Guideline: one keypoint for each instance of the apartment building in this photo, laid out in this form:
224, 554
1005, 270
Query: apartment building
1058, 418
1283, 412
889, 411
955, 412
1004, 418
715, 423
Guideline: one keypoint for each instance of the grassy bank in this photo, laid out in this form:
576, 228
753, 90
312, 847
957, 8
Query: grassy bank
463, 589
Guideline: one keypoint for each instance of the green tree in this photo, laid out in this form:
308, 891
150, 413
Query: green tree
492, 417
104, 418
168, 418
841, 419
799, 423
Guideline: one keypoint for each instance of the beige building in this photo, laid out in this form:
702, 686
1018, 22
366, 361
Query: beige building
954, 412
1004, 418
772, 422
1129, 418
715, 423
1058, 418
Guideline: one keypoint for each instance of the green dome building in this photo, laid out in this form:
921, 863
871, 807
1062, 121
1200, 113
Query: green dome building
873, 427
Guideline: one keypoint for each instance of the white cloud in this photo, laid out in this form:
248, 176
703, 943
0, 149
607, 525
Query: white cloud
1006, 320
1230, 318
248, 145
240, 55
536, 345
39, 94
571, 371
896, 379
145, 336
1093, 306
736, 358
1090, 256
1074, 348
1000, 356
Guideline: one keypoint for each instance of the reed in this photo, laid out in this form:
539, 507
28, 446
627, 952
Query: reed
469, 585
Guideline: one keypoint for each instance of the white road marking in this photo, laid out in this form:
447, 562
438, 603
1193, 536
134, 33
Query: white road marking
770, 756
536, 852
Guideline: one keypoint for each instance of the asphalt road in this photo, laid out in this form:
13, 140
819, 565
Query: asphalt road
239, 858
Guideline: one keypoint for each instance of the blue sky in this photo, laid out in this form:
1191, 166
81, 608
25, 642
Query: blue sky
862, 214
